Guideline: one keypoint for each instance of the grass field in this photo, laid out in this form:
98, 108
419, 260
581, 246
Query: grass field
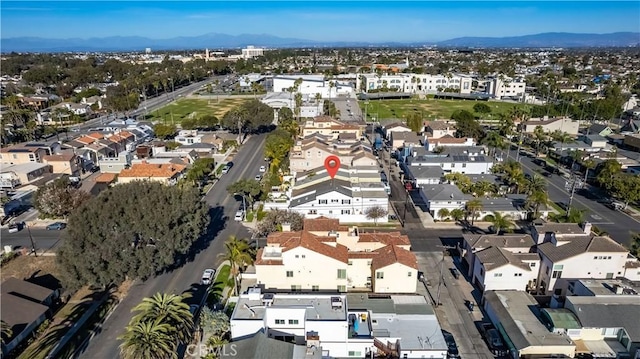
430, 109
193, 108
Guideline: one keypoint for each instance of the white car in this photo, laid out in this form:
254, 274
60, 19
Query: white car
225, 169
263, 169
207, 276
239, 216
258, 178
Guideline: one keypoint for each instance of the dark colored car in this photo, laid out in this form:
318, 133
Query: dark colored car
455, 273
57, 226
452, 347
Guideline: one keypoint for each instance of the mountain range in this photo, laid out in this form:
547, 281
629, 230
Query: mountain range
225, 41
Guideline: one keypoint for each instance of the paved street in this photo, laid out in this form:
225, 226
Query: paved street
246, 164
616, 223
44, 240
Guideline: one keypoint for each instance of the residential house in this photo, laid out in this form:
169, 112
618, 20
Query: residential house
454, 160
165, 173
328, 126
423, 175
513, 206
188, 137
439, 196
93, 100
600, 130
405, 140
549, 125
24, 153
632, 141
115, 164
310, 152
341, 326
66, 163
595, 141
124, 140
394, 127
35, 102
18, 175
587, 256
547, 231
24, 307
517, 317
498, 268
439, 129
501, 87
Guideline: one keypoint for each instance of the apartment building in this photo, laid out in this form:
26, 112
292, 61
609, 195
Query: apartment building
503, 87
328, 126
454, 161
326, 256
415, 83
23, 153
310, 152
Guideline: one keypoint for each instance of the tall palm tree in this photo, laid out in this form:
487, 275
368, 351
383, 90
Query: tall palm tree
239, 254
534, 183
6, 331
493, 140
473, 207
537, 199
318, 97
168, 309
149, 340
588, 164
540, 137
500, 222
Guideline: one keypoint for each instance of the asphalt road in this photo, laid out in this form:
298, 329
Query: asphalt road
618, 224
44, 240
187, 277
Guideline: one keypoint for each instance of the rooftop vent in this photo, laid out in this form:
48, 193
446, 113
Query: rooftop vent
267, 299
336, 302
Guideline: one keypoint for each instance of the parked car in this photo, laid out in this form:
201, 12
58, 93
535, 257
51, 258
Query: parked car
239, 216
616, 205
263, 169
258, 178
207, 276
16, 227
57, 226
455, 273
495, 342
225, 169
452, 347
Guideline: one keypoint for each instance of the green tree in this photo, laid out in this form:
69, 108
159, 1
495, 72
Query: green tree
272, 222
58, 199
199, 170
134, 230
443, 214
606, 172
248, 188
461, 180
375, 213
165, 131
482, 188
276, 148
457, 214
500, 222
473, 207
414, 122
149, 340
214, 323
170, 309
239, 254
482, 108
634, 249
536, 199
466, 125
494, 140
535, 183
626, 187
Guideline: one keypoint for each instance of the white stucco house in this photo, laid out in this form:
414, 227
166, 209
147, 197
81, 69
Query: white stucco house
438, 196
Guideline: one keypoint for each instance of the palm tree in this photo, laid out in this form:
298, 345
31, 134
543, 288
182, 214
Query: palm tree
537, 199
483, 187
318, 97
588, 164
493, 140
169, 309
473, 207
534, 183
443, 213
500, 222
576, 157
540, 136
239, 254
457, 214
149, 339
6, 331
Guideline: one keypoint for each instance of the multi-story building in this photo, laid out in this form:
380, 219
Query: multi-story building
501, 87
310, 152
312, 85
165, 173
455, 161
415, 83
548, 125
25, 153
307, 260
251, 51
328, 126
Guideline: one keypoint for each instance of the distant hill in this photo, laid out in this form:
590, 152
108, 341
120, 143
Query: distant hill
224, 41
550, 39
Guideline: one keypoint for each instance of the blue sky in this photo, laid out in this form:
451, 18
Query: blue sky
374, 21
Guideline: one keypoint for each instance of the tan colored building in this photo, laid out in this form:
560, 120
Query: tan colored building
562, 124
309, 153
167, 173
328, 126
20, 154
65, 163
439, 129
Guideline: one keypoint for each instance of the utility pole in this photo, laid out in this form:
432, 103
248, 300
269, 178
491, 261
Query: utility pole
441, 279
33, 245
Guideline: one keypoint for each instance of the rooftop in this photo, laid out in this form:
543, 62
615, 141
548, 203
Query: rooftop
24, 289
316, 307
608, 312
580, 245
144, 170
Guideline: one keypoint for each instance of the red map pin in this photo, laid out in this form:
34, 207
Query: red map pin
332, 164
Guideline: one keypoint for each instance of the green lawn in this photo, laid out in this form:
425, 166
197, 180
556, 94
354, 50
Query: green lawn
430, 109
176, 111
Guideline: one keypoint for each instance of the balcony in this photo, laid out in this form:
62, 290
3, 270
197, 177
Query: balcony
359, 325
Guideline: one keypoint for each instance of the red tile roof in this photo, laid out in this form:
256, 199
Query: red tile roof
323, 224
144, 170
269, 262
393, 254
106, 177
291, 240
387, 238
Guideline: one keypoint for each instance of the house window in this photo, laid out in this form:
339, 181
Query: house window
355, 354
497, 274
335, 201
368, 263
303, 256
297, 256
279, 321
532, 264
313, 211
289, 274
315, 288
322, 201
345, 211
556, 274
379, 275
408, 274
517, 275
342, 288
296, 288
346, 201
342, 273
350, 263
293, 321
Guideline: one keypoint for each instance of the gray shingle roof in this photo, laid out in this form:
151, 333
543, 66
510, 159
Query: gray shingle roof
502, 241
580, 245
441, 192
259, 346
494, 257
422, 172
607, 312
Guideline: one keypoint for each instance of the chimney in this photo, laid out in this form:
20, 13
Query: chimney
586, 226
286, 227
